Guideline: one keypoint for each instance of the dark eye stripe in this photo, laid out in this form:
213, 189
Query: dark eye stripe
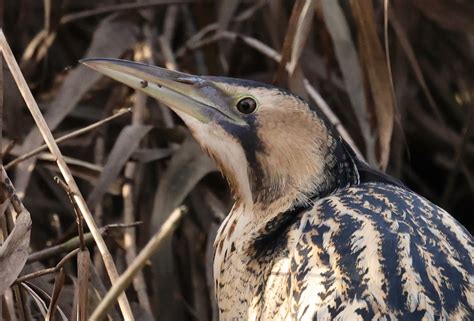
246, 105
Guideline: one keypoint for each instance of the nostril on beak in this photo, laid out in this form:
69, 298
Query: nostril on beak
143, 83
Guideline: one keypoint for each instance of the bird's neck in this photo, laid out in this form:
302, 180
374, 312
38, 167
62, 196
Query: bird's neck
302, 175
276, 203
255, 226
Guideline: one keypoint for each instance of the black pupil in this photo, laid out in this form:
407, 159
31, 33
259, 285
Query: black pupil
246, 105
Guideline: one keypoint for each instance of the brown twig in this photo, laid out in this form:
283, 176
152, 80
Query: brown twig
79, 218
11, 144
197, 36
48, 270
74, 243
119, 7
61, 139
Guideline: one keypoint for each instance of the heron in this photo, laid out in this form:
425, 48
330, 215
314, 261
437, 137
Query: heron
315, 233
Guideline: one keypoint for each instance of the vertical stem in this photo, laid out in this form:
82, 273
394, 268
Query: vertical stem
63, 168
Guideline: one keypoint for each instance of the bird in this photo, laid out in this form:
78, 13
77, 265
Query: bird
315, 233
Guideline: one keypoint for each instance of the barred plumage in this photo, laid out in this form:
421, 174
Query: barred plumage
315, 233
370, 251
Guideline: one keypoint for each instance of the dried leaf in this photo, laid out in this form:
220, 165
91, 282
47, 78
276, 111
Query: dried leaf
40, 297
349, 64
303, 27
226, 11
146, 155
187, 167
288, 42
126, 144
37, 299
58, 285
14, 251
378, 75
296, 83
295, 40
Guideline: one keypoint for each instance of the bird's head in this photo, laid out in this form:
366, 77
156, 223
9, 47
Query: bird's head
269, 144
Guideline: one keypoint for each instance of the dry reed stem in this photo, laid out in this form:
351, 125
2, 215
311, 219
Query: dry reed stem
83, 284
127, 277
68, 178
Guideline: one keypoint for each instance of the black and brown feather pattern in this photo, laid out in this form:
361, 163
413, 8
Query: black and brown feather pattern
372, 251
315, 233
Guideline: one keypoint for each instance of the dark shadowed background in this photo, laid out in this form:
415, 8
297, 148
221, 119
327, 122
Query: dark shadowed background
143, 164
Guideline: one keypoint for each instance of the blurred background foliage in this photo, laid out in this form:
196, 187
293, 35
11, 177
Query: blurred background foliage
414, 119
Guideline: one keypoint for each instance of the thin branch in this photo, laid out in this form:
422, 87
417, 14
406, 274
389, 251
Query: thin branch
73, 243
119, 7
200, 34
61, 139
48, 270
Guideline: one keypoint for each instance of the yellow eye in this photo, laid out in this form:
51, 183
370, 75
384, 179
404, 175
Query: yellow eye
246, 105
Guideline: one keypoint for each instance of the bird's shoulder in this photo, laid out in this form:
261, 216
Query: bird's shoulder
389, 208
381, 249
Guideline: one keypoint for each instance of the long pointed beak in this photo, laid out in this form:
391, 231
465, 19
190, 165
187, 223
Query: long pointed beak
180, 91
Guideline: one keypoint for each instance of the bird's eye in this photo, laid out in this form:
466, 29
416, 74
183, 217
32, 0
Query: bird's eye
246, 105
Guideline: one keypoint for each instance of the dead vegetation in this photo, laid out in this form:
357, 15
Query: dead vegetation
125, 163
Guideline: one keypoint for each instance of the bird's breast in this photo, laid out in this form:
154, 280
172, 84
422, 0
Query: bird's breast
249, 287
